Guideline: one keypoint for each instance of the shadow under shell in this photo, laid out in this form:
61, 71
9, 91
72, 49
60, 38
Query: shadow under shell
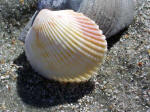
37, 91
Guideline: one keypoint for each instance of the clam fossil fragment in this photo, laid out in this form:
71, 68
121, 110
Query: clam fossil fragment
65, 45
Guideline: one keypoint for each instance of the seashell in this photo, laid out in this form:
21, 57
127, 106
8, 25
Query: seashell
52, 4
65, 46
112, 16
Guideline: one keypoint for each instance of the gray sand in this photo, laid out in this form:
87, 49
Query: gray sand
122, 83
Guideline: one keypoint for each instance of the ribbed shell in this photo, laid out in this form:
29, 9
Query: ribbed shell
112, 16
65, 45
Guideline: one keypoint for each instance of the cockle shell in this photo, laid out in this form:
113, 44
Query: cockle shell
65, 45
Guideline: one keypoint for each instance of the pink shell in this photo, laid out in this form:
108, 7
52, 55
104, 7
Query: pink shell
65, 45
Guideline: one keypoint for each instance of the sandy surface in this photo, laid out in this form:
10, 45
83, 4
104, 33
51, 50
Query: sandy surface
123, 83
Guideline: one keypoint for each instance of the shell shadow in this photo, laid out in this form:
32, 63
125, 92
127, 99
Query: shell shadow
115, 38
39, 92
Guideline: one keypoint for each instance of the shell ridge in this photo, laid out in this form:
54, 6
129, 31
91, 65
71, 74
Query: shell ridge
53, 58
79, 43
86, 25
81, 26
70, 59
59, 25
91, 45
89, 40
47, 60
75, 45
64, 31
93, 41
54, 50
89, 35
64, 36
51, 47
51, 27
61, 56
59, 38
70, 41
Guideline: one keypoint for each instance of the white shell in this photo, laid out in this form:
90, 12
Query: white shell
65, 45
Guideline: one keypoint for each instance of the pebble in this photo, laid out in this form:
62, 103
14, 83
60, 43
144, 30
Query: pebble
148, 52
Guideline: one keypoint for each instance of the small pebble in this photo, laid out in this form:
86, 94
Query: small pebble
21, 1
148, 51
